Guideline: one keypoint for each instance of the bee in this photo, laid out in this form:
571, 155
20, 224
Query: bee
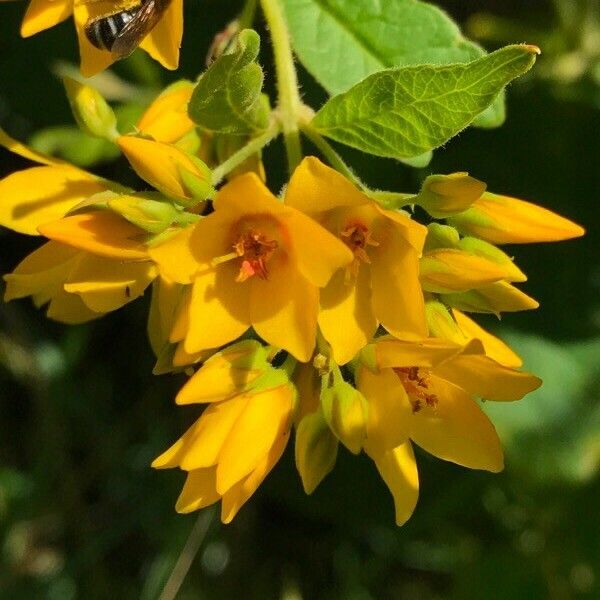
122, 31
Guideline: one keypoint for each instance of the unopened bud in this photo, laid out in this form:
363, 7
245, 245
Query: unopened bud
93, 114
494, 299
445, 195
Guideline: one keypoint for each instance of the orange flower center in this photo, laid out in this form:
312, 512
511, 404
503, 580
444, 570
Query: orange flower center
416, 383
357, 237
255, 250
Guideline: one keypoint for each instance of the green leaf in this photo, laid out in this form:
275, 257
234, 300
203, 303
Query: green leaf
340, 42
227, 98
406, 112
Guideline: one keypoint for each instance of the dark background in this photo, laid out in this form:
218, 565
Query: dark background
83, 516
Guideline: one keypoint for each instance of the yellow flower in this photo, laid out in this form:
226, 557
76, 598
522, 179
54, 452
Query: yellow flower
233, 446
92, 266
162, 43
381, 285
505, 220
252, 262
424, 392
40, 194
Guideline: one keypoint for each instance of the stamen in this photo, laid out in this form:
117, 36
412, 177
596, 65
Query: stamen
416, 384
255, 250
357, 237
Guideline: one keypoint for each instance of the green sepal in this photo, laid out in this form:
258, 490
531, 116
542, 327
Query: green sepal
315, 450
91, 111
200, 188
441, 236
153, 216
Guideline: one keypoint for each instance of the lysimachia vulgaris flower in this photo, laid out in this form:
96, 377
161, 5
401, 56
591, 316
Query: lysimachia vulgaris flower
162, 42
381, 284
425, 392
253, 262
242, 433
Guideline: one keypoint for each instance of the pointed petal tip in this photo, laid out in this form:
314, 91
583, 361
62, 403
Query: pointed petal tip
532, 49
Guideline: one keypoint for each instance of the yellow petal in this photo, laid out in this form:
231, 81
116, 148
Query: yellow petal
174, 257
105, 285
483, 377
495, 348
18, 148
237, 495
506, 220
219, 311
315, 187
265, 418
457, 430
164, 41
166, 119
397, 296
201, 444
38, 195
448, 270
389, 410
43, 14
100, 232
42, 273
181, 317
219, 378
248, 195
346, 316
398, 469
198, 491
317, 253
93, 60
414, 233
284, 308
166, 297
70, 309
426, 353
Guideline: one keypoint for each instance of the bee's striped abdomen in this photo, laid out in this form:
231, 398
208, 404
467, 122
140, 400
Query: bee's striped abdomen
103, 31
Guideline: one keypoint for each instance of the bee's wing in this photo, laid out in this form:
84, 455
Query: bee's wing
144, 21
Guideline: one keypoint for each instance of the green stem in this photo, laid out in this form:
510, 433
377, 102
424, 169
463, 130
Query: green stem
191, 548
235, 160
247, 15
287, 81
329, 152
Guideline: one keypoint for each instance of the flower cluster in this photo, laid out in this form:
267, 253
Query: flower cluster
328, 310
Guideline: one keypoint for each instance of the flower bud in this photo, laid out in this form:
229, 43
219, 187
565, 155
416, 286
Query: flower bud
315, 451
150, 215
505, 220
490, 252
345, 410
445, 195
166, 119
91, 111
494, 299
168, 169
447, 270
441, 324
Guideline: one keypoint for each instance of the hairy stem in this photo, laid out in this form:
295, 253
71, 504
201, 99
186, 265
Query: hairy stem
252, 147
287, 80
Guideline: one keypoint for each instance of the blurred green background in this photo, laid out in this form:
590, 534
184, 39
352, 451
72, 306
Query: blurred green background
83, 516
